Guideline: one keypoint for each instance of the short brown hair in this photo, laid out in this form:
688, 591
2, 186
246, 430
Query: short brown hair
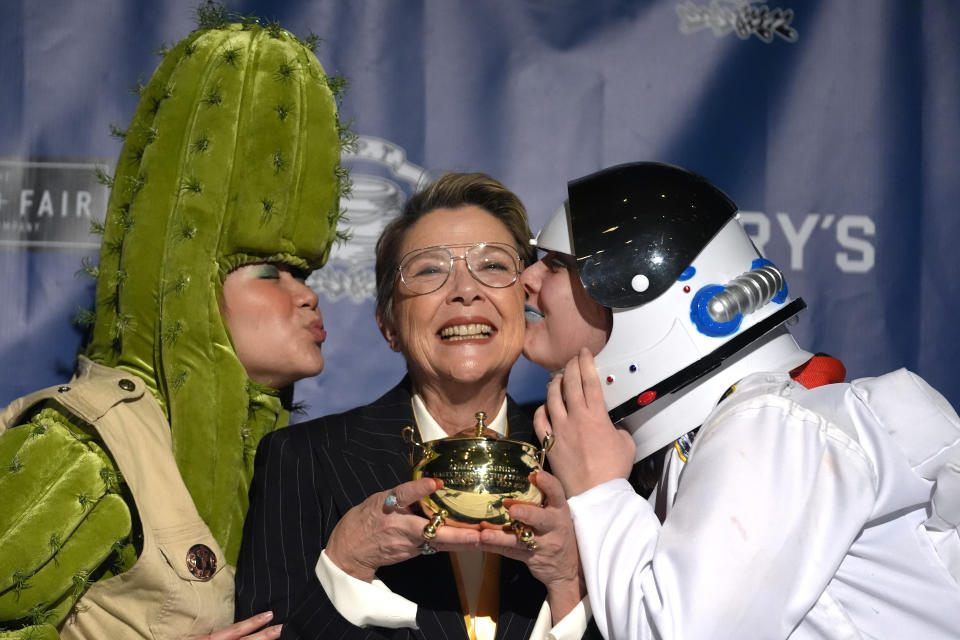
450, 191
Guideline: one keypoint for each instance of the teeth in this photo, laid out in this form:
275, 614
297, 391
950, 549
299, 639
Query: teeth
466, 331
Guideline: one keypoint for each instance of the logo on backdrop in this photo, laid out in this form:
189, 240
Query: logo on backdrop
49, 205
848, 234
743, 17
383, 179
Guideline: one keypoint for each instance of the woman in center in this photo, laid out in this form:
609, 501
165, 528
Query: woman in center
333, 541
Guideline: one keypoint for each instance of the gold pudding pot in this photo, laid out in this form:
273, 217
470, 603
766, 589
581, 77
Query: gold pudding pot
479, 471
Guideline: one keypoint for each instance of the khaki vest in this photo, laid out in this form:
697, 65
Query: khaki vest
158, 597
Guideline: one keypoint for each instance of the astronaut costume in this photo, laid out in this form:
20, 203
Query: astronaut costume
804, 507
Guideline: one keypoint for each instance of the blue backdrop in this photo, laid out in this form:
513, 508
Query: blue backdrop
834, 126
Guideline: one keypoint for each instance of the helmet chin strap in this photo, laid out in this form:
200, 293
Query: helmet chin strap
660, 414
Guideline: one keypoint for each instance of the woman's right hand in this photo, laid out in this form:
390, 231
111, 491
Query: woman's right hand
373, 535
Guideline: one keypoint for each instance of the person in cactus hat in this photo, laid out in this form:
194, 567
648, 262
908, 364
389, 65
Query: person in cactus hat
125, 490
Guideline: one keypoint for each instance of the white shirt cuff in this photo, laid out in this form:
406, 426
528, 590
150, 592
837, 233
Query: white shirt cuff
364, 604
571, 627
600, 493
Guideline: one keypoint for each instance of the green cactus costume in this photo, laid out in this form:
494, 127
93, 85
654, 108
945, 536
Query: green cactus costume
232, 157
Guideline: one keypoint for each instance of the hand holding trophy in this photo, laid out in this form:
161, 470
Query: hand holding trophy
479, 471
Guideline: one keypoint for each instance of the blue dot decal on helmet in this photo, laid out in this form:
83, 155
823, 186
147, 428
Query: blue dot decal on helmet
688, 273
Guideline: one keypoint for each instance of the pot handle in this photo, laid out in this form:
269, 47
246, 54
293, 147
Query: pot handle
548, 441
417, 448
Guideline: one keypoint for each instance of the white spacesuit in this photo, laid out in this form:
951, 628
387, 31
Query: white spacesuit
802, 507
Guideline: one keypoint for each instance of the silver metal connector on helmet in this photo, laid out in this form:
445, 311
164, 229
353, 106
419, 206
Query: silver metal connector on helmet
745, 294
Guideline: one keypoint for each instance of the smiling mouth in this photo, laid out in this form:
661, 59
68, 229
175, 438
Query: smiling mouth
531, 314
472, 331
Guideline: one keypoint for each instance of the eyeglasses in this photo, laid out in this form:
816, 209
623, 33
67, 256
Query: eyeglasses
493, 264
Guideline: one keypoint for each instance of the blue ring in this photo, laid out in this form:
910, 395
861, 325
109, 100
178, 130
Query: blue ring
701, 317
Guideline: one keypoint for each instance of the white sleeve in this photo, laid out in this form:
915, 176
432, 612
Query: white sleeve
364, 604
766, 509
571, 627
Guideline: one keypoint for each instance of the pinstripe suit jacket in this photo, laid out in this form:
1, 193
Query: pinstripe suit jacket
307, 476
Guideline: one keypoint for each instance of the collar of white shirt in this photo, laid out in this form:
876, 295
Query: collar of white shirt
430, 430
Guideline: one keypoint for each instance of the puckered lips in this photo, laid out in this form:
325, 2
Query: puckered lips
531, 314
475, 329
317, 331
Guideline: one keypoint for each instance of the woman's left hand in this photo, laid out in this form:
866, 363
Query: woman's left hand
556, 561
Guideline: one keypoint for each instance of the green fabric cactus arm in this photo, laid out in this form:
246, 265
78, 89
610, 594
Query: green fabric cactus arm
61, 524
33, 632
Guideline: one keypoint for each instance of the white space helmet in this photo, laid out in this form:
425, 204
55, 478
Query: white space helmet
695, 306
